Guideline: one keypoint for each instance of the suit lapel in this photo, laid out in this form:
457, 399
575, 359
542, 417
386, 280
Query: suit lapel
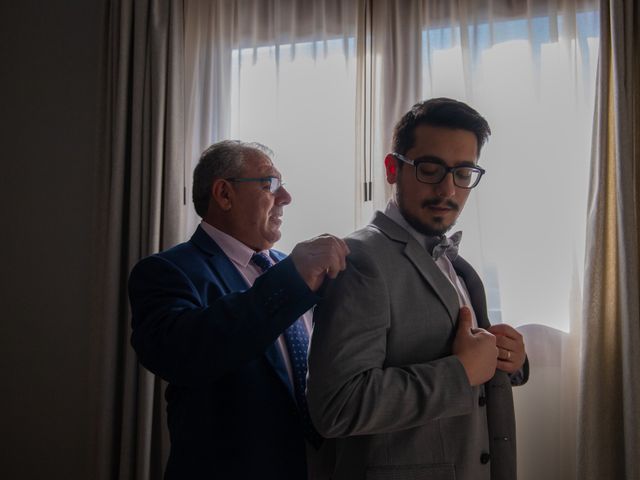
475, 289
221, 266
423, 262
229, 276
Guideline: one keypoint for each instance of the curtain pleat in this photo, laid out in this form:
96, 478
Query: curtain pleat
609, 427
142, 202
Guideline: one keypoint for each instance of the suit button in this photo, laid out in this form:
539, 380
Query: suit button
484, 458
482, 401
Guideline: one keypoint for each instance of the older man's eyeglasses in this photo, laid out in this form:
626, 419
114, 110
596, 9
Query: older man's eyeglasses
273, 183
432, 172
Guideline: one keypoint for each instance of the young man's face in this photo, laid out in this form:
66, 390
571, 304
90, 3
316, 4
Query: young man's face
432, 209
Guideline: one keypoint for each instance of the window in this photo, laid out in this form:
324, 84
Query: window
524, 226
533, 79
300, 101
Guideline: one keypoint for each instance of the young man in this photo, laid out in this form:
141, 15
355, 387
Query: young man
404, 367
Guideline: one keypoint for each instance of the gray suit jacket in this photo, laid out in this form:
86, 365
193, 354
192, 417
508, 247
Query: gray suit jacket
382, 377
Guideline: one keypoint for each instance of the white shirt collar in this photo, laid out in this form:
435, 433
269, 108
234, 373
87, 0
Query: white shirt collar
233, 248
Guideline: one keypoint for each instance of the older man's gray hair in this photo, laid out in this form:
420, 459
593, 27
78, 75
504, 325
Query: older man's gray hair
223, 159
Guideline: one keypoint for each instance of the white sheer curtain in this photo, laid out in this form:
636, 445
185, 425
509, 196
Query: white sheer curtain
525, 227
303, 107
280, 72
529, 68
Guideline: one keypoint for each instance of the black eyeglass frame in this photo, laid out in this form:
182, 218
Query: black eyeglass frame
415, 163
275, 183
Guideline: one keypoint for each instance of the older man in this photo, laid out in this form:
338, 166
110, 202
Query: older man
222, 319
404, 367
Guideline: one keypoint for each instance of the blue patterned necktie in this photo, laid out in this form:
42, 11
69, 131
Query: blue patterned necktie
446, 246
297, 341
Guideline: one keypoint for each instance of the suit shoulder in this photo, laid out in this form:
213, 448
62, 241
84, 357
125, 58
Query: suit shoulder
181, 257
370, 251
177, 252
370, 241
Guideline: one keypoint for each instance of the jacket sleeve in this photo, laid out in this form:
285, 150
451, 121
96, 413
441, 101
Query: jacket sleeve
185, 341
350, 389
520, 377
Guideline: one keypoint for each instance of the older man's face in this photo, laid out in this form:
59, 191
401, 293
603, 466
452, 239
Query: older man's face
434, 209
257, 213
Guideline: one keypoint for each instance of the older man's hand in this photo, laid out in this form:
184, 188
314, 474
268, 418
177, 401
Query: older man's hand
318, 258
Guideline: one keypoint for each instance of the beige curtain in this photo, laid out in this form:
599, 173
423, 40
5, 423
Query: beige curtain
142, 211
609, 428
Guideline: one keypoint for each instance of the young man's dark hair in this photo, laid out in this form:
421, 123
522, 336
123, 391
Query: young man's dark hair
439, 112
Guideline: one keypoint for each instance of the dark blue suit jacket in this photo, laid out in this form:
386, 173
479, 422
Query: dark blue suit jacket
197, 325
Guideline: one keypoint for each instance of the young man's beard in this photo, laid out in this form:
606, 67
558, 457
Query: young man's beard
419, 225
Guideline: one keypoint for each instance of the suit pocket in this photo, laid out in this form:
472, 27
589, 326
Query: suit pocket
438, 471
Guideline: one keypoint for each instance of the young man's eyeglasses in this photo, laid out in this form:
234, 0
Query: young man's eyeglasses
275, 183
432, 171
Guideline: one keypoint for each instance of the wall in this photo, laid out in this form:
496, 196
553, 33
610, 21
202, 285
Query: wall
50, 59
